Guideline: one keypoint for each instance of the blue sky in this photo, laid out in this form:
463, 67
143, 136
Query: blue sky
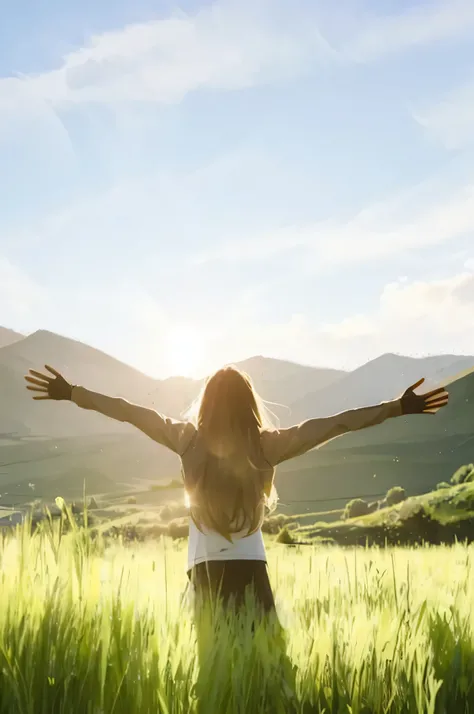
187, 185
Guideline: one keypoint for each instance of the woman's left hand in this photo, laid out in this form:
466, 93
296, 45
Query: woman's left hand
428, 403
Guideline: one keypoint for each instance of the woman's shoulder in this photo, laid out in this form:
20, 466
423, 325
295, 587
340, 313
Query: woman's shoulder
186, 433
268, 441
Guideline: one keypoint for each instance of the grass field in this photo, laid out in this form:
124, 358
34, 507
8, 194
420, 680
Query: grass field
88, 629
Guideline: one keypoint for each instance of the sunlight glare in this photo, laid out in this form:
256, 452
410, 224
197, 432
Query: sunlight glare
185, 351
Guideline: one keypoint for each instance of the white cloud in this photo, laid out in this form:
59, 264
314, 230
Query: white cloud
231, 44
420, 25
451, 119
228, 45
371, 237
413, 318
419, 317
349, 327
376, 233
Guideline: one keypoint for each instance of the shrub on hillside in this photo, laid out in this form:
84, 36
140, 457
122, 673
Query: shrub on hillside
463, 474
285, 536
355, 509
178, 528
395, 495
127, 532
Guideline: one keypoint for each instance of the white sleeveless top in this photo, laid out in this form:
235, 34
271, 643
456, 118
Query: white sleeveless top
210, 545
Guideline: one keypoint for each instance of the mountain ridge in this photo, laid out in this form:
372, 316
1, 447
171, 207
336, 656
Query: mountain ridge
382, 379
278, 381
9, 337
296, 392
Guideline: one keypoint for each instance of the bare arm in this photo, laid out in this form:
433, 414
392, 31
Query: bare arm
283, 444
173, 434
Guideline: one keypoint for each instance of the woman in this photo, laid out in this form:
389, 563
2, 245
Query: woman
228, 461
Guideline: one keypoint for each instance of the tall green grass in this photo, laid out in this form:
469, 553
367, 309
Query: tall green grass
90, 629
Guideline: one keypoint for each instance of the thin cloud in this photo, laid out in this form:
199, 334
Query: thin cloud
417, 26
416, 317
450, 120
228, 45
375, 234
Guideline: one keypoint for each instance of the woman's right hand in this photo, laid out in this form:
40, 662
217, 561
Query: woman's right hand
55, 387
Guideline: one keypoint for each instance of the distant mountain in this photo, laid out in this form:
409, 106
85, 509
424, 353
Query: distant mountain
285, 383
456, 370
80, 363
383, 378
8, 337
278, 382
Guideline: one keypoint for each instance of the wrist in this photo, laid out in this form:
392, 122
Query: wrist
398, 407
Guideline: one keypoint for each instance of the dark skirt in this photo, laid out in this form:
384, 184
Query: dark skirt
231, 581
227, 646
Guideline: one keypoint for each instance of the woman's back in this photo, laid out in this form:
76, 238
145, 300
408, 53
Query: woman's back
207, 543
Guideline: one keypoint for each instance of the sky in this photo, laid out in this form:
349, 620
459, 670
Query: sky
186, 185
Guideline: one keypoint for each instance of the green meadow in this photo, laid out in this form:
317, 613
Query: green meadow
90, 626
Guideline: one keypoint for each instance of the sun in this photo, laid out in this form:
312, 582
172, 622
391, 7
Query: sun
184, 351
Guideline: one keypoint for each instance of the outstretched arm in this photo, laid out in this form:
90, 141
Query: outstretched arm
169, 432
283, 444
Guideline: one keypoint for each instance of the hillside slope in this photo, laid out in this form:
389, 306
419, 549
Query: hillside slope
439, 516
9, 337
415, 452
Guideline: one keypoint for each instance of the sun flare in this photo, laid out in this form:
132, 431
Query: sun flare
185, 351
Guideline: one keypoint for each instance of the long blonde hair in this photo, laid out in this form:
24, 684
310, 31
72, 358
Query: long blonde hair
232, 484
